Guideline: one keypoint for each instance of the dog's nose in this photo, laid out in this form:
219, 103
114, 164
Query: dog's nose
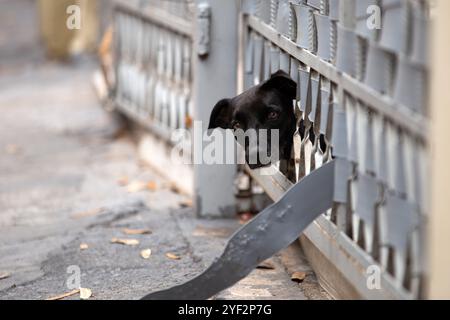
255, 160
252, 156
256, 166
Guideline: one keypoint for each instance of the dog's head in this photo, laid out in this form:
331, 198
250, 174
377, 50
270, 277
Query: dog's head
266, 106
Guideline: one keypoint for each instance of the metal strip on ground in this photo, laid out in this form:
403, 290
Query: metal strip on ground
272, 230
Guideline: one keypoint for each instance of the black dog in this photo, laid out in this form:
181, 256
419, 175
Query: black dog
269, 106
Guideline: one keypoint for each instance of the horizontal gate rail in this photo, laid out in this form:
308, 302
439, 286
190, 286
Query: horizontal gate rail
158, 16
413, 122
159, 131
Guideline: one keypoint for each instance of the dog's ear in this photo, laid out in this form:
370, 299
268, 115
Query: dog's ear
282, 82
221, 115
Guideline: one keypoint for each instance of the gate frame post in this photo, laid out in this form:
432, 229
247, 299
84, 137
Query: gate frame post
215, 79
438, 235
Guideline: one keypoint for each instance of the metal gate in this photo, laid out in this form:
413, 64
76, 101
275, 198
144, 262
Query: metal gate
362, 100
166, 78
362, 93
154, 64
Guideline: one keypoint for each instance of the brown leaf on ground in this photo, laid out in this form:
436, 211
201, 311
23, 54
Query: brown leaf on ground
298, 276
4, 275
266, 265
145, 254
134, 232
172, 256
64, 295
136, 186
123, 181
187, 203
85, 214
84, 246
85, 293
152, 186
127, 242
12, 149
188, 122
245, 217
175, 189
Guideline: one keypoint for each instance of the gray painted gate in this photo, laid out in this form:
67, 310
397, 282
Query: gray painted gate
362, 92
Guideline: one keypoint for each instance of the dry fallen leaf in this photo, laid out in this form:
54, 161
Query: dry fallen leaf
65, 295
172, 256
298, 276
188, 122
4, 275
266, 265
85, 293
136, 186
245, 217
152, 186
127, 242
187, 203
86, 214
12, 149
175, 189
123, 181
145, 254
84, 246
136, 231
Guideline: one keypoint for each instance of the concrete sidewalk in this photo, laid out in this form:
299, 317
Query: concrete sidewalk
63, 164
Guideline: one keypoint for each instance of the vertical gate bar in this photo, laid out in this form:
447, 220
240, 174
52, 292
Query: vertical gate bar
216, 78
347, 13
343, 210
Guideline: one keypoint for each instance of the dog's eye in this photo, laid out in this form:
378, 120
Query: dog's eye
273, 115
